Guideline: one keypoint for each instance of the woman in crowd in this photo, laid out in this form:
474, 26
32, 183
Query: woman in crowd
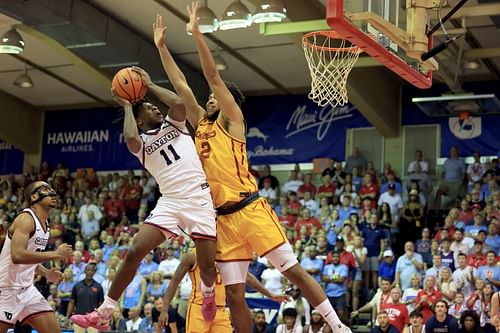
156, 286
410, 294
446, 285
359, 252
64, 290
411, 223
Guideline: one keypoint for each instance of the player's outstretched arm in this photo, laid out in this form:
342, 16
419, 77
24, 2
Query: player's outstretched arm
130, 131
194, 111
253, 282
187, 262
228, 106
22, 227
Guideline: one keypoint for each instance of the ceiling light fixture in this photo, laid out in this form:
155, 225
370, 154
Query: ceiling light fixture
24, 80
472, 64
235, 16
220, 63
207, 21
11, 42
269, 11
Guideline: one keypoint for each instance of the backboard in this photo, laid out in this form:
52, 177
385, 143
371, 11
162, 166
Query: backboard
391, 31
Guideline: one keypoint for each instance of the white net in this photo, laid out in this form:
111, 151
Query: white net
330, 59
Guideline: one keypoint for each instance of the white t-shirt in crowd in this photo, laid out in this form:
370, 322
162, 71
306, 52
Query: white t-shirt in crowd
272, 280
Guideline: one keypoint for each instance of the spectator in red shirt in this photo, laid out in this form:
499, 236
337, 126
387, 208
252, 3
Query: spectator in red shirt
113, 207
308, 221
132, 198
326, 189
286, 219
478, 258
307, 187
448, 231
293, 203
397, 311
369, 189
465, 213
427, 297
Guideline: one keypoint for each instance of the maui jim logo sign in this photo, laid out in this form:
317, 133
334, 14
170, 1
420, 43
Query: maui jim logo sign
151, 148
301, 120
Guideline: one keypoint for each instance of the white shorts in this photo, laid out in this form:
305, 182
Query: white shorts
21, 304
194, 216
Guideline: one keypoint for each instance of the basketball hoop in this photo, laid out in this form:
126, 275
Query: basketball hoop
330, 58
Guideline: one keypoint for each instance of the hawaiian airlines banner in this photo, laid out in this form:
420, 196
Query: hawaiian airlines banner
86, 139
11, 159
290, 129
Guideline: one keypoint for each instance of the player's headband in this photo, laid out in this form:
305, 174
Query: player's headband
43, 191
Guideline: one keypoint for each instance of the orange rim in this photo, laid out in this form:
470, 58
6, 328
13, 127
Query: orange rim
328, 34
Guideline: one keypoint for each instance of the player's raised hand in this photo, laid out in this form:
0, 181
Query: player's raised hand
163, 318
121, 101
64, 251
192, 25
160, 31
144, 75
54, 276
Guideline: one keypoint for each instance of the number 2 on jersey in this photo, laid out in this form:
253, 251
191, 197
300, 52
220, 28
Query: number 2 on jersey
174, 153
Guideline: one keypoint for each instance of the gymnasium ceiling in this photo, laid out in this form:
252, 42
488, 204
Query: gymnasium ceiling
73, 47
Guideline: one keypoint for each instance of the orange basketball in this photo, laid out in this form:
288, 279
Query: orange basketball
128, 84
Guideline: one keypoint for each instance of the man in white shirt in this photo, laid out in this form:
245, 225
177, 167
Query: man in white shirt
419, 159
134, 319
476, 170
437, 267
293, 183
310, 203
268, 193
89, 206
463, 276
394, 200
168, 266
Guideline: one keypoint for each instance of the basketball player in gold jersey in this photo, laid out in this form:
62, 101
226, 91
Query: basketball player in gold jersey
245, 221
194, 318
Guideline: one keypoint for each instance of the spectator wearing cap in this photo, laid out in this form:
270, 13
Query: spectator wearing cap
407, 265
416, 323
147, 265
427, 297
308, 202
489, 271
290, 325
311, 264
393, 198
397, 311
267, 176
387, 268
493, 239
267, 192
168, 265
335, 276
473, 230
477, 258
293, 183
391, 183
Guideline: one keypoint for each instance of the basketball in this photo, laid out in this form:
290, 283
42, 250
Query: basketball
128, 84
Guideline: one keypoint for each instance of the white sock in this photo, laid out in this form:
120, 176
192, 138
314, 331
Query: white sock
326, 310
107, 306
206, 291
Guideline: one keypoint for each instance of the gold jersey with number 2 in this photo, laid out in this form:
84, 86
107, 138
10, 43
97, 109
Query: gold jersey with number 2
224, 160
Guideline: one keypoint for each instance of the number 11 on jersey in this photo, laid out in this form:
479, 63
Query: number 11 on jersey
174, 154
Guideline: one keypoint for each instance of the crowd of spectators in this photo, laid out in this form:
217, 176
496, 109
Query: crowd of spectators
376, 243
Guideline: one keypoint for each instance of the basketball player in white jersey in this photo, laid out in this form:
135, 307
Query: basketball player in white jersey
167, 151
20, 259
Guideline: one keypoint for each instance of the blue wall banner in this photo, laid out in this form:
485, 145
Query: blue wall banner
291, 129
11, 159
269, 307
86, 139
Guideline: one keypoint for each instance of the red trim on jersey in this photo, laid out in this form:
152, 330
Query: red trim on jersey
152, 225
195, 235
35, 314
